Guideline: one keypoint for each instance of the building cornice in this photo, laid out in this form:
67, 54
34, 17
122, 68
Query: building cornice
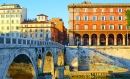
99, 5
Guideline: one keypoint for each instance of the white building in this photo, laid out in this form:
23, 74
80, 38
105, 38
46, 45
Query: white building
11, 17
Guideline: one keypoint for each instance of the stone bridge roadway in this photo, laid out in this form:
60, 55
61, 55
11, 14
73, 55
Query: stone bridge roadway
45, 56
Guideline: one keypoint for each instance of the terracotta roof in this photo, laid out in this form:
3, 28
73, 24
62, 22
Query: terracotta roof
89, 4
42, 15
35, 22
10, 4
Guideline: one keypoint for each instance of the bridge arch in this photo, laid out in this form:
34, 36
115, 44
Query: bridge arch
17, 53
48, 63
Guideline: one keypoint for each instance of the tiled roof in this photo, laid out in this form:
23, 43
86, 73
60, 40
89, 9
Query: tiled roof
42, 15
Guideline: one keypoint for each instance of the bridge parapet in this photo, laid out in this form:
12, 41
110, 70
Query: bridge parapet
6, 41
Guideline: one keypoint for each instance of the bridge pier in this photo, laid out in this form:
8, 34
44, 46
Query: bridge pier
59, 72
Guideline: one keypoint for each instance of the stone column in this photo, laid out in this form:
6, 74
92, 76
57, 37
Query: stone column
115, 40
81, 40
89, 40
106, 40
123, 39
98, 40
71, 39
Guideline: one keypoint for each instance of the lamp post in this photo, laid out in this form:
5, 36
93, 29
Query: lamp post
73, 23
127, 34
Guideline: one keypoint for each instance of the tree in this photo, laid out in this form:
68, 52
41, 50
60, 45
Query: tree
127, 13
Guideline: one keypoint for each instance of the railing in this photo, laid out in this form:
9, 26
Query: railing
26, 42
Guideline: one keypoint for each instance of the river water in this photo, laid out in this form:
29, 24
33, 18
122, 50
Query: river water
103, 78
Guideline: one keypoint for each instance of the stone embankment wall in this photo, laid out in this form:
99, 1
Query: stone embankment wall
115, 58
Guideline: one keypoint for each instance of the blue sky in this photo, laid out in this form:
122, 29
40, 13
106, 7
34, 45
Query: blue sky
52, 8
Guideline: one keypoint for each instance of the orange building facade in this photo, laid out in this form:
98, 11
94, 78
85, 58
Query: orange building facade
59, 24
98, 24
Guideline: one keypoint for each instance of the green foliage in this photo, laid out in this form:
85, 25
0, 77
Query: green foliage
127, 13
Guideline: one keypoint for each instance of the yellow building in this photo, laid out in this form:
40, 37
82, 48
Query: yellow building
11, 16
39, 28
62, 30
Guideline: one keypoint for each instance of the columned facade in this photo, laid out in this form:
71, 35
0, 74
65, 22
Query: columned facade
98, 38
98, 24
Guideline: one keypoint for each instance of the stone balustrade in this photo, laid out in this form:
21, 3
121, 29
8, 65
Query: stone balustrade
6, 41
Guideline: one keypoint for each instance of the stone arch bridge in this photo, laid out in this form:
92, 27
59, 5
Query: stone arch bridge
46, 57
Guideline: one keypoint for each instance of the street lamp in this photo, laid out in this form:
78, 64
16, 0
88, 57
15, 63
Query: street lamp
127, 34
73, 23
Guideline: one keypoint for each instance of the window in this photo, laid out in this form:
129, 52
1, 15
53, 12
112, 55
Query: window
36, 30
77, 27
7, 27
119, 17
41, 35
41, 30
77, 17
30, 30
111, 9
94, 9
111, 27
103, 27
7, 16
119, 26
103, 9
77, 9
17, 15
17, 34
102, 17
94, 18
18, 11
2, 21
31, 35
85, 17
94, 27
12, 34
2, 16
119, 9
47, 37
2, 27
17, 27
85, 27
17, 21
35, 35
86, 10
111, 17
12, 16
12, 21
7, 21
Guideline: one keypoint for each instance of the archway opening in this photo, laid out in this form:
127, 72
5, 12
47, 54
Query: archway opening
102, 40
119, 39
48, 67
39, 61
77, 39
127, 40
60, 60
21, 68
111, 39
94, 39
85, 39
